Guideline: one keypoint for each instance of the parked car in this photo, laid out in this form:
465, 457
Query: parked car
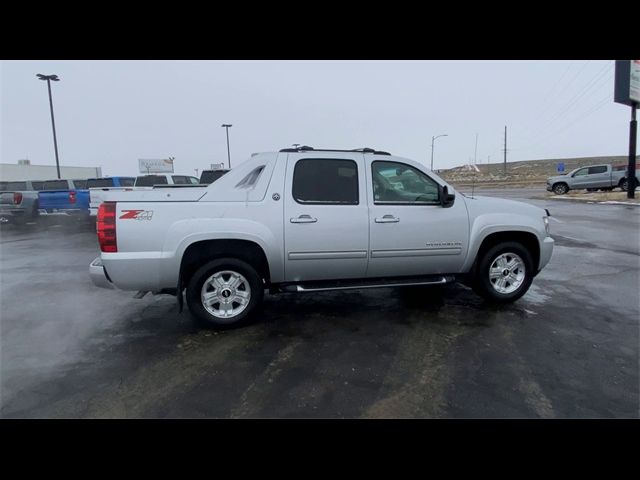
63, 197
305, 220
594, 177
142, 182
19, 201
165, 179
97, 185
207, 177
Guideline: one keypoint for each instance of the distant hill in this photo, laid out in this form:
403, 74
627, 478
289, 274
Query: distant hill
523, 171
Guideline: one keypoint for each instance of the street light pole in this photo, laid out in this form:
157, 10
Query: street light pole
433, 139
49, 78
227, 125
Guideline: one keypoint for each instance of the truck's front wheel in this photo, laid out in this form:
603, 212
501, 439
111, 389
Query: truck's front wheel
560, 188
504, 273
224, 292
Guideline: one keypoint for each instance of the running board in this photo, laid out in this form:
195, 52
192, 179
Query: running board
344, 285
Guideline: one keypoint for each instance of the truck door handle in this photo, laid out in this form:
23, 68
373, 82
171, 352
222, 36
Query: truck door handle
304, 219
388, 219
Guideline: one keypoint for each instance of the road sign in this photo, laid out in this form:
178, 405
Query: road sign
155, 165
561, 167
627, 82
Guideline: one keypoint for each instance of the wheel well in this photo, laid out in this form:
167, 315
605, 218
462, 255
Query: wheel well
621, 180
198, 253
526, 239
560, 183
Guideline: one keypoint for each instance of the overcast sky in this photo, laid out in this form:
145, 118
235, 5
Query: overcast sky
111, 113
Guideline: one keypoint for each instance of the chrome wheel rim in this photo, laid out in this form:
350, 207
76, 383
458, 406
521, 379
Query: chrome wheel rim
506, 273
225, 294
559, 189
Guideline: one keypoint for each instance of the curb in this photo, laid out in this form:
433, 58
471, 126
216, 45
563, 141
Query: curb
590, 200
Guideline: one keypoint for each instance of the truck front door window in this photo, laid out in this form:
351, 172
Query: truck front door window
399, 183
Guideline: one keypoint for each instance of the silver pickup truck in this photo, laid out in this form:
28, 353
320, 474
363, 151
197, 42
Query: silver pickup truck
307, 220
592, 178
19, 201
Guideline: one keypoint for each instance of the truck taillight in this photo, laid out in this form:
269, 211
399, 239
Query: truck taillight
17, 198
106, 227
72, 197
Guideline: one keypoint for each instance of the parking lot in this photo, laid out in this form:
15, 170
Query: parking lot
567, 349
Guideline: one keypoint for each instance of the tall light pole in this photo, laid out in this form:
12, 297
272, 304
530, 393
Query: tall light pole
50, 78
433, 139
227, 125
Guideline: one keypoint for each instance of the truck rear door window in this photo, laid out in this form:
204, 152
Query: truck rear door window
598, 169
151, 180
326, 181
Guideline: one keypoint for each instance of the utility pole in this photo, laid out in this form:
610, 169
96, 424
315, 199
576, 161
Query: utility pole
475, 155
505, 150
433, 140
633, 132
49, 78
227, 125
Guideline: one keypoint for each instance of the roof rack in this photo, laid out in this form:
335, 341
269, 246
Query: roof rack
305, 148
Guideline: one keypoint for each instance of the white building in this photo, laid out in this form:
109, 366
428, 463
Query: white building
23, 170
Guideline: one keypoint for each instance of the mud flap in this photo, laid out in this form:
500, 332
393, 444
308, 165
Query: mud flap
179, 294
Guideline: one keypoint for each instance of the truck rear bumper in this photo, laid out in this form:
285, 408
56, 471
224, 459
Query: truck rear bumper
6, 211
62, 211
99, 275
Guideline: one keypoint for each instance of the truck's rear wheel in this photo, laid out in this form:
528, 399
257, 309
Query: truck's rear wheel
224, 292
504, 273
624, 184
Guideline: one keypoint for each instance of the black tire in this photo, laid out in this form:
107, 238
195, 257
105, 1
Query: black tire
201, 315
484, 287
560, 188
624, 184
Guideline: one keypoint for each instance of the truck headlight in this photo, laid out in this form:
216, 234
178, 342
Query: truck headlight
546, 224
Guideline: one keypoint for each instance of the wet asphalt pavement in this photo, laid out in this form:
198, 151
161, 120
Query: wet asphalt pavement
567, 349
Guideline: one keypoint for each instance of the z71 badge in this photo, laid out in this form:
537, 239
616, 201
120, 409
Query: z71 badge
136, 215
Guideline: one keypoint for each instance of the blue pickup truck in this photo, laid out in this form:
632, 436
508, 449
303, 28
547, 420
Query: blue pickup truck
64, 197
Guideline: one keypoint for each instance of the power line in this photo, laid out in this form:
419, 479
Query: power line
601, 75
598, 79
550, 106
582, 117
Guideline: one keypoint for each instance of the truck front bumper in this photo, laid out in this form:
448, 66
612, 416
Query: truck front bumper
546, 249
549, 188
99, 275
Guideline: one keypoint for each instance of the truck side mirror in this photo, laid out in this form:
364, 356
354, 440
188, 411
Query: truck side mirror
446, 199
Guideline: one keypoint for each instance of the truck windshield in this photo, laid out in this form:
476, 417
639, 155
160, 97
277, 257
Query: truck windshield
13, 186
151, 180
99, 182
56, 185
210, 176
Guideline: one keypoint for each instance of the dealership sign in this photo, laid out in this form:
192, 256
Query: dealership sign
163, 165
627, 82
